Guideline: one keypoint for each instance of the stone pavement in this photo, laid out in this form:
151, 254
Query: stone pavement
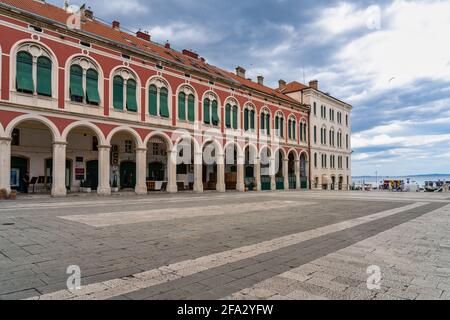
297, 245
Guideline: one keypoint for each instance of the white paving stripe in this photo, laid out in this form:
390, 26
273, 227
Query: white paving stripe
91, 203
116, 287
108, 219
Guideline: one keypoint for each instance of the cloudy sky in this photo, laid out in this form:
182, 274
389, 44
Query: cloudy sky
389, 59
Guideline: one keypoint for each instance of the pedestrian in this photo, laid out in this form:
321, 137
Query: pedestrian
25, 182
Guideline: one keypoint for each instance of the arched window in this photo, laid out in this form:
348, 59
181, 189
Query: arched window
33, 70
182, 106
84, 82
125, 91
158, 98
131, 95
231, 114
249, 118
265, 122
186, 104
92, 96
24, 72
164, 103
279, 125
210, 110
118, 93
44, 76
292, 128
153, 100
76, 83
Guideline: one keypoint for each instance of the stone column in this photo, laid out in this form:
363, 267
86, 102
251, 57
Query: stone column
220, 173
172, 172
5, 163
141, 171
273, 183
198, 172
104, 169
257, 174
59, 169
297, 175
286, 174
240, 185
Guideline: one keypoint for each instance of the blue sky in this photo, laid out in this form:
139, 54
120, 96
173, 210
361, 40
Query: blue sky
389, 59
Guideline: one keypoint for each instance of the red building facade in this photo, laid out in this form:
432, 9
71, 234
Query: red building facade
140, 104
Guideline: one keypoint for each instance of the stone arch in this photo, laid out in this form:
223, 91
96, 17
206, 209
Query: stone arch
129, 130
296, 155
85, 124
88, 62
163, 136
132, 75
33, 117
48, 52
187, 89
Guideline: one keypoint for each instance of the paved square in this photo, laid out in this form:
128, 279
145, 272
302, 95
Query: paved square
269, 245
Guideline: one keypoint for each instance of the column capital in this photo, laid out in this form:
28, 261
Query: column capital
141, 149
104, 146
7, 139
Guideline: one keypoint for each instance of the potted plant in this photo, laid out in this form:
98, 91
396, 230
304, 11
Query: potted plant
87, 187
115, 187
3, 194
13, 195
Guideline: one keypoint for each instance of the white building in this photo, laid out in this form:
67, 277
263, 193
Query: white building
329, 134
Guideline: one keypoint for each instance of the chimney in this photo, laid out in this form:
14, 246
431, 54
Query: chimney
281, 84
167, 45
261, 80
240, 72
190, 53
314, 84
88, 13
116, 25
143, 35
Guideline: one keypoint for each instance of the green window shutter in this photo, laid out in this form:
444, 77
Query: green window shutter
92, 96
246, 119
289, 129
118, 93
44, 76
164, 103
294, 128
76, 83
24, 72
276, 123
206, 114
263, 121
268, 123
282, 127
235, 117
252, 119
182, 106
228, 116
191, 108
152, 100
301, 131
215, 113
131, 96
304, 132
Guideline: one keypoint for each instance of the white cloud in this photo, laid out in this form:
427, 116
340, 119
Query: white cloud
184, 34
411, 44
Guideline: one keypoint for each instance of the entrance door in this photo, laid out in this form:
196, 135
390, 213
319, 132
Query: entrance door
19, 167
49, 172
156, 171
128, 175
92, 174
265, 182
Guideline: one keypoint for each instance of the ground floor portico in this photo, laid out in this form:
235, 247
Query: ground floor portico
59, 155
